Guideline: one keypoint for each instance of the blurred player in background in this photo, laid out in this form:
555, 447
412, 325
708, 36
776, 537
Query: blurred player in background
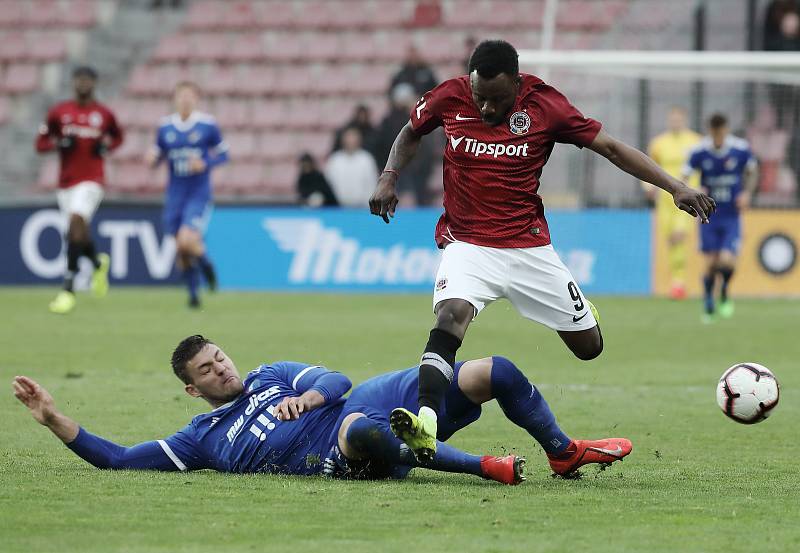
192, 144
670, 150
501, 127
728, 172
83, 131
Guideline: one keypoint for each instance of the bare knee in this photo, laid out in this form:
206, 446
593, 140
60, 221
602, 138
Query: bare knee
475, 380
78, 230
454, 316
344, 446
590, 349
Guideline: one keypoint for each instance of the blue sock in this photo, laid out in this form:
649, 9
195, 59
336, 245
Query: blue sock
524, 406
204, 262
377, 442
726, 273
708, 292
191, 275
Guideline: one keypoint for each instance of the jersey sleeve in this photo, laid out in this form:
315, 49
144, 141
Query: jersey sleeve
218, 148
692, 163
152, 455
567, 125
302, 377
183, 451
426, 114
48, 130
114, 131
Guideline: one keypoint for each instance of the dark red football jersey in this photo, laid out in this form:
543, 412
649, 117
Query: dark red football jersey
491, 174
88, 125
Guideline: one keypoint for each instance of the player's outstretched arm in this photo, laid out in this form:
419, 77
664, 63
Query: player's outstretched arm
92, 449
384, 200
636, 163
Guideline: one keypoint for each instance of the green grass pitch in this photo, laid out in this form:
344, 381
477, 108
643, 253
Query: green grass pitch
695, 481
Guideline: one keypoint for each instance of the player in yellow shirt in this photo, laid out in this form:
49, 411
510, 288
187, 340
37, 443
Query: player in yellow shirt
670, 150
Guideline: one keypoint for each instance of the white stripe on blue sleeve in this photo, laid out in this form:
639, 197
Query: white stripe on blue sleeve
171, 455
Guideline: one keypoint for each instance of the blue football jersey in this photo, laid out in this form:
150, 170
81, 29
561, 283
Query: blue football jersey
244, 436
178, 141
721, 171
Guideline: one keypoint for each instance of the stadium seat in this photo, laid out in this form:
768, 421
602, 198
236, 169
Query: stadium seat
293, 80
268, 114
348, 14
427, 13
209, 47
81, 14
321, 47
221, 80
465, 14
15, 47
232, 114
281, 181
391, 15
284, 47
12, 14
47, 48
246, 48
173, 48
238, 15
203, 16
276, 14
42, 13
5, 110
276, 145
241, 145
318, 144
257, 80
303, 113
21, 79
133, 147
244, 178
357, 47
506, 14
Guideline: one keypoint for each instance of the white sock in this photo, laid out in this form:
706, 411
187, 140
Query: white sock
427, 411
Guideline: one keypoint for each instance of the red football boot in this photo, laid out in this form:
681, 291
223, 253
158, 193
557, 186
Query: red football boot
507, 470
604, 452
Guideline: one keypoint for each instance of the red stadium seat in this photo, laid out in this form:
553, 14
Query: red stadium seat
392, 46
427, 13
315, 14
173, 48
42, 13
281, 181
466, 14
241, 145
21, 79
12, 14
440, 47
81, 14
285, 47
238, 15
334, 79
294, 80
268, 114
257, 80
15, 48
130, 177
221, 80
133, 148
348, 14
146, 80
392, 15
371, 79
357, 47
276, 14
209, 47
47, 48
244, 178
246, 48
318, 144
232, 114
276, 145
510, 14
303, 113
203, 16
322, 47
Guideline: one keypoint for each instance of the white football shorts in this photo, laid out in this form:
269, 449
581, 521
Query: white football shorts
534, 280
82, 199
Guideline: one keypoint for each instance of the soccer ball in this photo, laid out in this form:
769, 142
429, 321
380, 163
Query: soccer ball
748, 392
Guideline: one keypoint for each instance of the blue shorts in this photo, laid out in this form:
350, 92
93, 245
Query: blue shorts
379, 395
720, 234
193, 211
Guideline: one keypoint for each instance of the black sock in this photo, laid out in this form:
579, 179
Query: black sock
726, 273
436, 367
89, 251
73, 254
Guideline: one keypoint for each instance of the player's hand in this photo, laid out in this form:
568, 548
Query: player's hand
36, 399
100, 148
196, 165
743, 200
290, 408
384, 200
694, 202
152, 157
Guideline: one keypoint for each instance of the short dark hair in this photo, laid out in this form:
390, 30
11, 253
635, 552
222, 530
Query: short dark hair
492, 57
717, 121
184, 352
84, 71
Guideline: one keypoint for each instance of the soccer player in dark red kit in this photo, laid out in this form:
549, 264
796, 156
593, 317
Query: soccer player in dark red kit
501, 127
83, 131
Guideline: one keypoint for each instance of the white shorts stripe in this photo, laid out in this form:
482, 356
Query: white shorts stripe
171, 455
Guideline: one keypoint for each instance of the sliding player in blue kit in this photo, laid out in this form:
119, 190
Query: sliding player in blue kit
290, 418
192, 144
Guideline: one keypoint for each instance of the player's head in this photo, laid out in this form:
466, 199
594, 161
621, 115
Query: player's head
718, 129
677, 119
206, 371
187, 96
494, 79
83, 81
